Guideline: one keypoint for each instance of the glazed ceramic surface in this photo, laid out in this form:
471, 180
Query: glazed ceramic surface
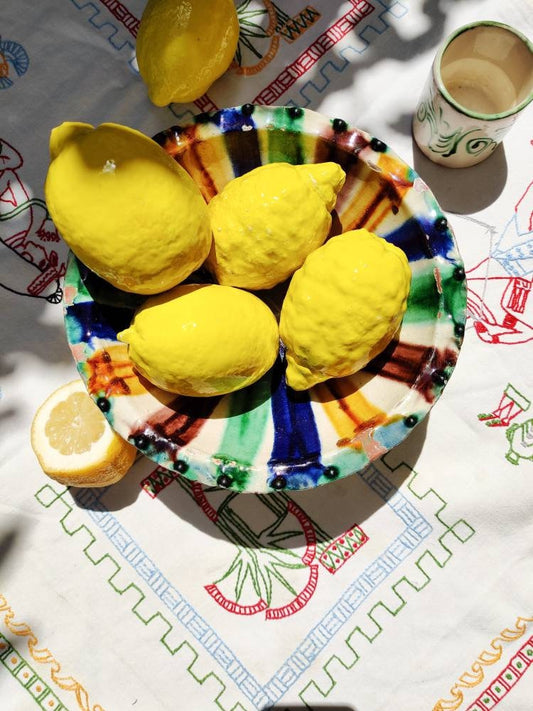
268, 437
480, 82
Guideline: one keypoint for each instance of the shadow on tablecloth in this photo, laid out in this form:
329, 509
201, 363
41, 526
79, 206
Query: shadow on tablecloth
335, 507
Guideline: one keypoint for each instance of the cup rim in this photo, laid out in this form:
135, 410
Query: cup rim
444, 91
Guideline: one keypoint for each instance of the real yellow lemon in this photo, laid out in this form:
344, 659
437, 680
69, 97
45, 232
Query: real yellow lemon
267, 221
183, 47
125, 207
203, 339
343, 307
74, 443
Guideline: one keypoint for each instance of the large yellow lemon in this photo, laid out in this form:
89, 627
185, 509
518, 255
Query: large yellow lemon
125, 207
203, 339
183, 46
267, 221
343, 307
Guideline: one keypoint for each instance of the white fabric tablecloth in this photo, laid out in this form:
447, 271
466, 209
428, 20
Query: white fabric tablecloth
107, 596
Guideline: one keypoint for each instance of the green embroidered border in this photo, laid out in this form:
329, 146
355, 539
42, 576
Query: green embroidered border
27, 677
167, 628
458, 531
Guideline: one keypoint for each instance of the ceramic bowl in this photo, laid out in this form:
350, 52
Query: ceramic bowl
268, 437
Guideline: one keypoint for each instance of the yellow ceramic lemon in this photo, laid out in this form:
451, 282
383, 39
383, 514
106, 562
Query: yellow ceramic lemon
203, 339
125, 207
343, 307
183, 46
267, 221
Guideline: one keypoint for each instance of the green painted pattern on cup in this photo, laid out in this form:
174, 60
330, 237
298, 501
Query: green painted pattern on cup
446, 141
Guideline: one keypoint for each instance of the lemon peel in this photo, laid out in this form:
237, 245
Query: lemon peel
74, 443
125, 207
343, 307
65, 132
183, 47
202, 339
268, 220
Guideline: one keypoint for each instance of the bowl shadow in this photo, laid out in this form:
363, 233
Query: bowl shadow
258, 521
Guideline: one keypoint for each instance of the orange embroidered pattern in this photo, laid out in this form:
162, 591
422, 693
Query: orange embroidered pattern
45, 656
475, 675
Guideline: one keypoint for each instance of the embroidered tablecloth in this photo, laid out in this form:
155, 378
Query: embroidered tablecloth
405, 586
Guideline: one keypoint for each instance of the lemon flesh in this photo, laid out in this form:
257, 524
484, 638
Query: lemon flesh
75, 444
201, 340
267, 221
183, 47
125, 207
343, 307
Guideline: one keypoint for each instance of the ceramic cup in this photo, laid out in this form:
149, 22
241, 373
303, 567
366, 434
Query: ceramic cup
481, 80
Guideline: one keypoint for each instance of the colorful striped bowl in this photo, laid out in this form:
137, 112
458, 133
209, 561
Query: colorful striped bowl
268, 437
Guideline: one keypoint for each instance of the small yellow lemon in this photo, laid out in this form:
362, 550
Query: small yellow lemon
125, 207
203, 339
183, 46
267, 221
343, 307
75, 444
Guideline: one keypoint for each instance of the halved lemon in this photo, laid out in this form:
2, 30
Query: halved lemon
74, 443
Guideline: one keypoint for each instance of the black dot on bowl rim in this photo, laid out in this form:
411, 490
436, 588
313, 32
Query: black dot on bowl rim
459, 329
279, 482
104, 404
295, 111
410, 421
225, 481
459, 274
203, 117
141, 441
377, 145
339, 125
181, 466
331, 472
247, 109
439, 377
441, 224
